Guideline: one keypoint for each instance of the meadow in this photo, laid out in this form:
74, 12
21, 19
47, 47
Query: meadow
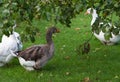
101, 64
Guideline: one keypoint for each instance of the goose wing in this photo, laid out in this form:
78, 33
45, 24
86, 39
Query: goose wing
34, 52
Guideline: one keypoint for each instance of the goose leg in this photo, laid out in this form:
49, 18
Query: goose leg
13, 54
2, 60
9, 57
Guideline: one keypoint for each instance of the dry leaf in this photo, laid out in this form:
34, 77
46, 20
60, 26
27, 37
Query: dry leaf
86, 33
116, 77
86, 79
67, 57
67, 73
99, 71
50, 81
77, 29
96, 49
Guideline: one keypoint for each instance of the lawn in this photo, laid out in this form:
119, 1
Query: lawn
101, 64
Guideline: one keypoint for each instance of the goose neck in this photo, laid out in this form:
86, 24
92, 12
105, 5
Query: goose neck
94, 16
49, 38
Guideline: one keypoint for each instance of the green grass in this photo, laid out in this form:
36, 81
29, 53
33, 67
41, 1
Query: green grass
101, 64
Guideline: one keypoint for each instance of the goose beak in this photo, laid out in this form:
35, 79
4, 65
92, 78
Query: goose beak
57, 31
86, 13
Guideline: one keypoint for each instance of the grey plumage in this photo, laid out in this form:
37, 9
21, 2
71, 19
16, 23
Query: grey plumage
40, 54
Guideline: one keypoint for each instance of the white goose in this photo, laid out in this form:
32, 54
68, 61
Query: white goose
7, 40
113, 40
13, 43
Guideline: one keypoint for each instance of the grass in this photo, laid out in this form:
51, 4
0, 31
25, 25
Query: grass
101, 64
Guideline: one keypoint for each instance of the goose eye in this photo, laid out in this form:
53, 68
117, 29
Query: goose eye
91, 11
18, 38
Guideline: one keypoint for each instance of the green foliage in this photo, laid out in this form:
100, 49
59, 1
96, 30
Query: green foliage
107, 10
18, 11
83, 48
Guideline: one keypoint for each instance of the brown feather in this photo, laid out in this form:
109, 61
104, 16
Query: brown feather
33, 53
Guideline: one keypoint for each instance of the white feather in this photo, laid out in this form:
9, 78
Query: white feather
13, 43
28, 65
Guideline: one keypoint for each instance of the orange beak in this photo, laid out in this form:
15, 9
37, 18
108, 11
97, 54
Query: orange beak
58, 31
86, 13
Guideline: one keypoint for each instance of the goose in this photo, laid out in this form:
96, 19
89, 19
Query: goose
5, 40
16, 36
35, 57
13, 43
113, 40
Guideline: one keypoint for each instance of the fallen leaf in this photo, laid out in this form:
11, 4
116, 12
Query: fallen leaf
67, 57
96, 49
64, 46
40, 75
67, 73
99, 71
105, 55
86, 79
116, 77
77, 29
86, 33
50, 81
